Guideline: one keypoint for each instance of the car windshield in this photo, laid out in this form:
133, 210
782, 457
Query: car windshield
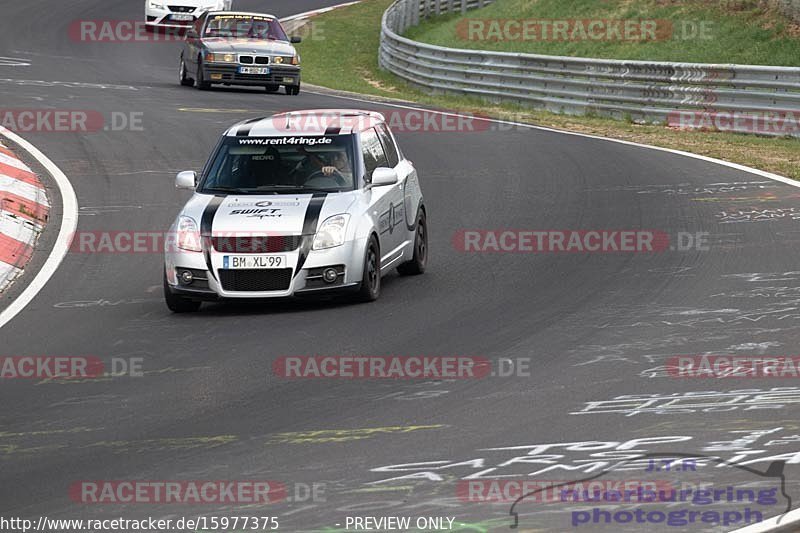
245, 27
281, 165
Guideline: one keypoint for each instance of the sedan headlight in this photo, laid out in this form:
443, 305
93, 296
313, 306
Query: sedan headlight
188, 235
154, 5
221, 58
331, 233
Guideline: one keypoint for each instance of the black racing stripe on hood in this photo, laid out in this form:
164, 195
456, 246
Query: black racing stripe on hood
206, 225
244, 129
310, 227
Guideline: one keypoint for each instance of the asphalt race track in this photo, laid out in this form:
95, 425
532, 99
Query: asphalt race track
592, 327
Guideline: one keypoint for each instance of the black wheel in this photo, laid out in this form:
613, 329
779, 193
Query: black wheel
371, 281
293, 90
272, 88
185, 81
420, 260
200, 81
179, 304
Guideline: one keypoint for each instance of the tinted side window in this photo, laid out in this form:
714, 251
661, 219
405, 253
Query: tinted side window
372, 150
388, 145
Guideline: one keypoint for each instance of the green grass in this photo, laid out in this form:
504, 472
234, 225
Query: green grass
344, 56
342, 51
737, 31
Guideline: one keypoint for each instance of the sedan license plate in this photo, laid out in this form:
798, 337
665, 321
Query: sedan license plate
238, 262
253, 70
288, 80
182, 17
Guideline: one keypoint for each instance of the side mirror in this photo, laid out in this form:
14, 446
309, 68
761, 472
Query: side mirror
186, 180
384, 176
295, 39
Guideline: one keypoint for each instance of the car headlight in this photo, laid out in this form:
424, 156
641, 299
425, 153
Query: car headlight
189, 235
221, 58
331, 233
154, 5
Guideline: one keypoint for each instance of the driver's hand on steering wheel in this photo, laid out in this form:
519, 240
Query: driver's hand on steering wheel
329, 171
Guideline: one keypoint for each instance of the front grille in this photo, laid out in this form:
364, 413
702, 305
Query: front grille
257, 280
228, 74
249, 60
257, 245
181, 9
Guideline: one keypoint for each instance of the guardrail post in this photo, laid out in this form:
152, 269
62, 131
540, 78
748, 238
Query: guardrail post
463, 6
415, 12
438, 4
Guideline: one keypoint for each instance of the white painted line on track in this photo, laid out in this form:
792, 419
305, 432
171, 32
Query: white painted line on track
14, 62
772, 524
69, 221
316, 12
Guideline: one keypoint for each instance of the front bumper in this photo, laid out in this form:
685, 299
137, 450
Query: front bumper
163, 18
214, 282
229, 74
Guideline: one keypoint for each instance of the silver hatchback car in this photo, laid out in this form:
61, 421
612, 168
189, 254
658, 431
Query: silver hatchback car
306, 202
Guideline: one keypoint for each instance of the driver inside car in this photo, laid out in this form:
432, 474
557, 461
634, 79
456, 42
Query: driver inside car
339, 164
335, 166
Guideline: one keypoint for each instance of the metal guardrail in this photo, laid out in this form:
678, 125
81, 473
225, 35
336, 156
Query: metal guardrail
742, 98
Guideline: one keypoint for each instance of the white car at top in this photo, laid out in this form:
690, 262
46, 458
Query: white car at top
179, 13
305, 202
